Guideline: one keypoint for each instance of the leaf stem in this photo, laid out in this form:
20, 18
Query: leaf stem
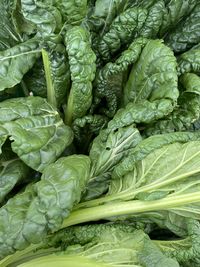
51, 98
133, 207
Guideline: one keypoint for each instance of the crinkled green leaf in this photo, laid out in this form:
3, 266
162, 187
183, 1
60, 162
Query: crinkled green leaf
83, 68
110, 79
104, 13
190, 61
12, 172
187, 112
122, 31
38, 133
143, 112
86, 128
22, 26
108, 148
113, 248
154, 20
30, 216
8, 35
72, 11
56, 69
46, 17
154, 76
16, 61
186, 33
174, 12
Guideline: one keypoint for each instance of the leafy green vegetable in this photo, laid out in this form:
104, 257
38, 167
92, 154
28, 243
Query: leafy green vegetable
39, 135
112, 246
124, 75
186, 33
154, 76
30, 216
110, 77
188, 110
82, 68
16, 61
175, 12
123, 29
46, 18
190, 61
72, 11
108, 148
13, 172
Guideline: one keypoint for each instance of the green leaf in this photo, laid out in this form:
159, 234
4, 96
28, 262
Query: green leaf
8, 34
175, 11
124, 176
39, 135
165, 171
30, 216
154, 20
72, 11
187, 112
82, 69
114, 248
144, 112
46, 17
12, 172
109, 147
110, 79
154, 76
186, 33
122, 31
148, 146
151, 256
16, 61
190, 61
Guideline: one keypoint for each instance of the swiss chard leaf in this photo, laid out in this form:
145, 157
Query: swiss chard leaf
28, 217
110, 79
187, 112
186, 34
72, 11
8, 34
46, 17
12, 172
16, 61
175, 12
154, 76
83, 69
38, 133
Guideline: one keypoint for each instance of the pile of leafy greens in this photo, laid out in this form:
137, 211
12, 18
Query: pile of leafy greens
100, 133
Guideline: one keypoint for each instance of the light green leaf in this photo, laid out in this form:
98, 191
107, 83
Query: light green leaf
16, 61
153, 77
46, 17
38, 133
28, 217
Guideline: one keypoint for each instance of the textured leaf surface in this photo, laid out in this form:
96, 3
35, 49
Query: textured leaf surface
11, 173
83, 68
154, 76
39, 135
30, 216
186, 33
16, 61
